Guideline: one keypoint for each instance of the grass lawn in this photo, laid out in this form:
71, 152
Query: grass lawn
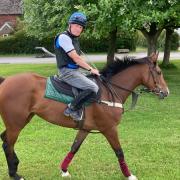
150, 137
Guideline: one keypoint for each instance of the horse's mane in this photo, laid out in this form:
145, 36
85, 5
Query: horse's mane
119, 65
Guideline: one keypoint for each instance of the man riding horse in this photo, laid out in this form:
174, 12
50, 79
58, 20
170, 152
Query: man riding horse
69, 62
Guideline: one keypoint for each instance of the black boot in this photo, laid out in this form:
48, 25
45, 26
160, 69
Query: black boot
75, 109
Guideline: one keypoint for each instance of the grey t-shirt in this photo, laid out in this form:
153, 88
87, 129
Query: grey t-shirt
65, 42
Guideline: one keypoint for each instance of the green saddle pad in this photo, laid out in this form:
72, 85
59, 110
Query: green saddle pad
52, 93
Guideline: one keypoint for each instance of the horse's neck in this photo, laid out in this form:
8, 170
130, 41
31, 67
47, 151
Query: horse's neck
129, 79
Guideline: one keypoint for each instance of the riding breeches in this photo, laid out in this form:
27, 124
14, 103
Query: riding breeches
77, 79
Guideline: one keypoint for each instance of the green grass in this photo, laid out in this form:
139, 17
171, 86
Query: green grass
149, 135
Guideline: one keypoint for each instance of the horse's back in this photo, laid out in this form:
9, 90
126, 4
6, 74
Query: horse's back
23, 78
20, 85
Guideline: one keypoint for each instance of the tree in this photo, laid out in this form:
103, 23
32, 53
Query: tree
172, 22
151, 17
107, 19
44, 18
167, 46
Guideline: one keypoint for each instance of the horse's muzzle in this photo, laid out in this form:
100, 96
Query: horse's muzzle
160, 93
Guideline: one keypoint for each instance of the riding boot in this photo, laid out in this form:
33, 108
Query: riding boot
75, 109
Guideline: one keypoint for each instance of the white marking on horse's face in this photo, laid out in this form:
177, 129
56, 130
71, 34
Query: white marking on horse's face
168, 92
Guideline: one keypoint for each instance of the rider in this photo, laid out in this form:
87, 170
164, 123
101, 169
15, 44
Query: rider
69, 61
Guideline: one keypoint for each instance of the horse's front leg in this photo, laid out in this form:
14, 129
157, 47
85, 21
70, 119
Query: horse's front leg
112, 137
81, 135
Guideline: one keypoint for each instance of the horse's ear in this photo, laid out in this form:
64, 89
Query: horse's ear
154, 56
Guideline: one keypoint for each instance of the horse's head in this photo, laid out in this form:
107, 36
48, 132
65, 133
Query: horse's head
153, 77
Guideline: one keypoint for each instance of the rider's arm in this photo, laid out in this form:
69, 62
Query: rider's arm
80, 61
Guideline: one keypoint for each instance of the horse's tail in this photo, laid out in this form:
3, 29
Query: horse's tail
1, 79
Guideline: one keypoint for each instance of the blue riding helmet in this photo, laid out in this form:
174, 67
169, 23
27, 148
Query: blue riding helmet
78, 18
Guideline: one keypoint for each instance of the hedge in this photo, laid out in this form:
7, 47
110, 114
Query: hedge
21, 43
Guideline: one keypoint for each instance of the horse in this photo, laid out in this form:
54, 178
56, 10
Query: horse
22, 96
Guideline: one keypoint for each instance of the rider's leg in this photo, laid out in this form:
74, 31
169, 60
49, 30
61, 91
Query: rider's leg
82, 97
78, 80
75, 108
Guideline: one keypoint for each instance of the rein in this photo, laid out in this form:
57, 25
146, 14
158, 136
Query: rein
110, 86
113, 92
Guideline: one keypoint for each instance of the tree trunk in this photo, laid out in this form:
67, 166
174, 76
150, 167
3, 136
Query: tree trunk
112, 46
167, 47
152, 44
152, 37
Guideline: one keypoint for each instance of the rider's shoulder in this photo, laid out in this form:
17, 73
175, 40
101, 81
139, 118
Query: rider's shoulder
64, 36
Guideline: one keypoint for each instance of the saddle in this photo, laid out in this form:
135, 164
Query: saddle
60, 91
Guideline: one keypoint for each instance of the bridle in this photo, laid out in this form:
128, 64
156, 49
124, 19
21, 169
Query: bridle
154, 73
156, 90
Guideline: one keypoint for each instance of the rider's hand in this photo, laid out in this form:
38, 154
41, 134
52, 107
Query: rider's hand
95, 71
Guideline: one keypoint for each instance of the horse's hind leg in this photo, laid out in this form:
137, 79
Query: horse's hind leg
81, 135
112, 137
9, 138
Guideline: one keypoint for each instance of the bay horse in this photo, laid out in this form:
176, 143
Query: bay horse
22, 96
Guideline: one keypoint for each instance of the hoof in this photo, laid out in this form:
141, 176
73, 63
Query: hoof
65, 174
17, 177
132, 177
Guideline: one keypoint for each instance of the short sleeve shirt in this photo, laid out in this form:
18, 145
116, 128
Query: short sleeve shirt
65, 42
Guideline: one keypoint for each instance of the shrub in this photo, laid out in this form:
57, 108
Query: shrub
20, 42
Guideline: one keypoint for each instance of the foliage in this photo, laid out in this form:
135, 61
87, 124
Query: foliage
46, 18
20, 42
103, 17
127, 41
151, 17
175, 41
141, 41
164, 13
170, 66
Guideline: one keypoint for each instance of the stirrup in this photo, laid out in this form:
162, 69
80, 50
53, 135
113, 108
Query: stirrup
77, 115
